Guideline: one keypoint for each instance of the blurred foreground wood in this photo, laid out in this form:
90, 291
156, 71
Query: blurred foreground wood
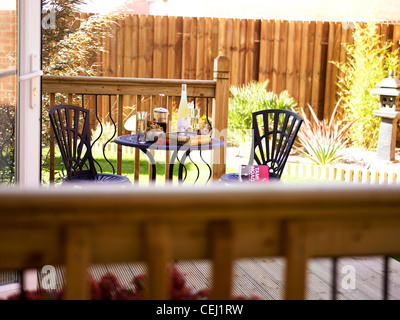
81, 226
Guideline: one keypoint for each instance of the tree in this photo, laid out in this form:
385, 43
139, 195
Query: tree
71, 48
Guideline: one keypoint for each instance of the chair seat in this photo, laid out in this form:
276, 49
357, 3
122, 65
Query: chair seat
98, 178
234, 178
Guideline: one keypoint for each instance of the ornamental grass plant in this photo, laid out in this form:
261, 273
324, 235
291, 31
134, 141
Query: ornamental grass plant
321, 141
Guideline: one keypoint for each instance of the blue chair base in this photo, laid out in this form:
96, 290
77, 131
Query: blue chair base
98, 178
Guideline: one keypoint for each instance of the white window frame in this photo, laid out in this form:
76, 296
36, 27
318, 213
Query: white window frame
28, 120
28, 114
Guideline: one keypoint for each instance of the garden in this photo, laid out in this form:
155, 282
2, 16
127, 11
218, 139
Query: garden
346, 137
349, 138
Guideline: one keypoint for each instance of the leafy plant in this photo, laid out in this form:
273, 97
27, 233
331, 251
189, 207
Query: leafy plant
324, 142
7, 142
71, 48
246, 99
369, 59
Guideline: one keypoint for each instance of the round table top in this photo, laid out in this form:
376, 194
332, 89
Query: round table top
130, 140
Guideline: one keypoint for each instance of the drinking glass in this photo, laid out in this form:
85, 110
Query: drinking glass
141, 125
194, 119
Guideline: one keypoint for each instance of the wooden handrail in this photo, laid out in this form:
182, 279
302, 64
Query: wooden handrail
77, 227
130, 86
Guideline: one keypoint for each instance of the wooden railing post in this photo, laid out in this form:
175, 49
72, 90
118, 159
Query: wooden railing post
296, 261
222, 255
78, 255
220, 113
157, 254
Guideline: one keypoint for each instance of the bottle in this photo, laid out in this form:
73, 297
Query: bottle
183, 112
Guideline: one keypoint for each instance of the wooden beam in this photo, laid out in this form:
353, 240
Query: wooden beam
78, 257
295, 243
157, 247
222, 255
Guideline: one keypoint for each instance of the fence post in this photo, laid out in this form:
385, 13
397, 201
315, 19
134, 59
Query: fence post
220, 113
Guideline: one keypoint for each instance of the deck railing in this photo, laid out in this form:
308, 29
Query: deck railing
111, 99
79, 227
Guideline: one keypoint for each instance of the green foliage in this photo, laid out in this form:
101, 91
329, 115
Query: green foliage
369, 59
323, 142
7, 143
244, 100
72, 48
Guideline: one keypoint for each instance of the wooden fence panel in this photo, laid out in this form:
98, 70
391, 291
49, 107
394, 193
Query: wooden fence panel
242, 51
179, 48
229, 38
249, 51
266, 51
316, 68
208, 60
193, 48
283, 48
275, 60
297, 62
293, 55
200, 42
290, 76
158, 43
186, 48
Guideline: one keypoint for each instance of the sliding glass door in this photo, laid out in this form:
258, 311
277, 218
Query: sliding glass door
8, 89
20, 106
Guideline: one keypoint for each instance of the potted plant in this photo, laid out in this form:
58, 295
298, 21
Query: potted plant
154, 131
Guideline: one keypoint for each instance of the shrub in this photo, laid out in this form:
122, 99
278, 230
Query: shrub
244, 100
369, 59
323, 142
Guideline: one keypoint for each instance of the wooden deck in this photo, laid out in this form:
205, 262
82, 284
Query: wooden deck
264, 277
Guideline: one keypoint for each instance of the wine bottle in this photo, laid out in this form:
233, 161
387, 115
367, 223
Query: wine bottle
183, 112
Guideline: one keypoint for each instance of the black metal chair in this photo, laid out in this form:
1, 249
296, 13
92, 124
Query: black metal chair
274, 132
71, 127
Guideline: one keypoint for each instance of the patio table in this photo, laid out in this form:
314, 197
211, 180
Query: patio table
130, 140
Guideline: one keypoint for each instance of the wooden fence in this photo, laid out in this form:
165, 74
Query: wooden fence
114, 225
293, 55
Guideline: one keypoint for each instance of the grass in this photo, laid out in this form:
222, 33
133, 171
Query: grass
128, 164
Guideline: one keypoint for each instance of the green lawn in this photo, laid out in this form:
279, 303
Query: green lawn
128, 163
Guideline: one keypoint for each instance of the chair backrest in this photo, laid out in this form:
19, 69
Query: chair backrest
71, 127
274, 132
